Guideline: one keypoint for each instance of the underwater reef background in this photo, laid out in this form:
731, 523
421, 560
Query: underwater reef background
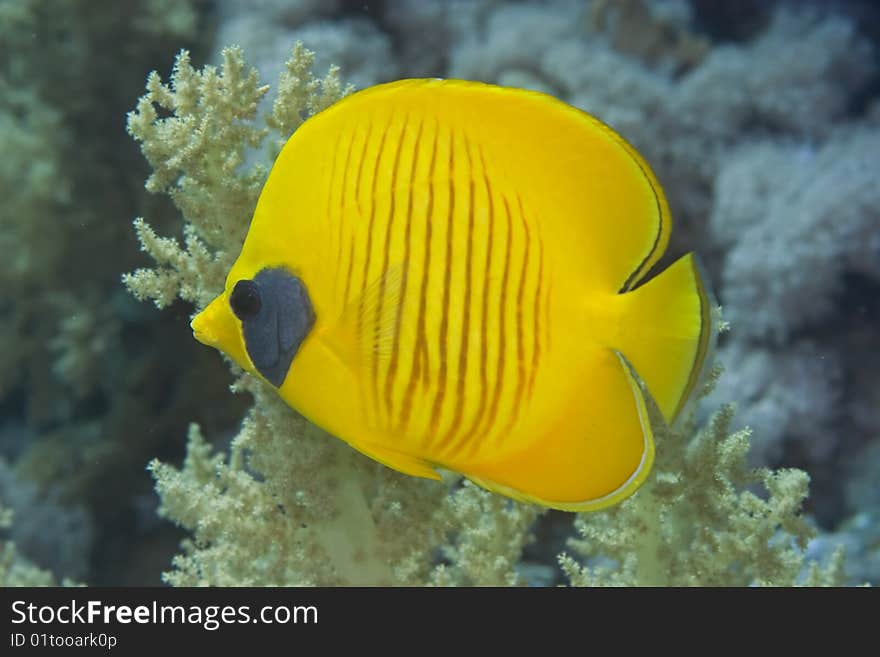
126, 460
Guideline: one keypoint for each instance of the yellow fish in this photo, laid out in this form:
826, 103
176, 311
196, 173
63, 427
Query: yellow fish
450, 274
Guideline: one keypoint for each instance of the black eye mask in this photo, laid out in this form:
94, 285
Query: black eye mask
276, 316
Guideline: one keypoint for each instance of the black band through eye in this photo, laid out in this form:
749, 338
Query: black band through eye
245, 299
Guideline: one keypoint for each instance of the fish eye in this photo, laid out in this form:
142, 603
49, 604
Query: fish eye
245, 299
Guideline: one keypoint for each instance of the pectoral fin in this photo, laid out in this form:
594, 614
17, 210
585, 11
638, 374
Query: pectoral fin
366, 329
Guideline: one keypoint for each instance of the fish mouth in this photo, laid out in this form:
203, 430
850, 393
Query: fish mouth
215, 326
201, 332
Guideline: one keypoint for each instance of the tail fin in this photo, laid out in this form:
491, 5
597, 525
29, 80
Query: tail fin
665, 333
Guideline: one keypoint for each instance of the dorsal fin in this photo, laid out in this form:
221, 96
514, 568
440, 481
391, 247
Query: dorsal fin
605, 215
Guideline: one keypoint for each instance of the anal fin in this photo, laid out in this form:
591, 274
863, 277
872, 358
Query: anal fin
597, 452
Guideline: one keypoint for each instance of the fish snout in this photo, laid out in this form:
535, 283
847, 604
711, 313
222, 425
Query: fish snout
200, 330
216, 326
207, 324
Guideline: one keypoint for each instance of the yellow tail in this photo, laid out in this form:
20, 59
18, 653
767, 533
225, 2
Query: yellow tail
665, 333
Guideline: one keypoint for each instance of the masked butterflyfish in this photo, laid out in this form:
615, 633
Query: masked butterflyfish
450, 274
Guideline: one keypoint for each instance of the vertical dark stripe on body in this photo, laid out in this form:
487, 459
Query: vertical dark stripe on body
502, 333
357, 199
350, 267
466, 308
421, 340
330, 206
357, 182
547, 299
345, 170
442, 343
364, 281
520, 346
484, 314
385, 258
395, 349
536, 312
